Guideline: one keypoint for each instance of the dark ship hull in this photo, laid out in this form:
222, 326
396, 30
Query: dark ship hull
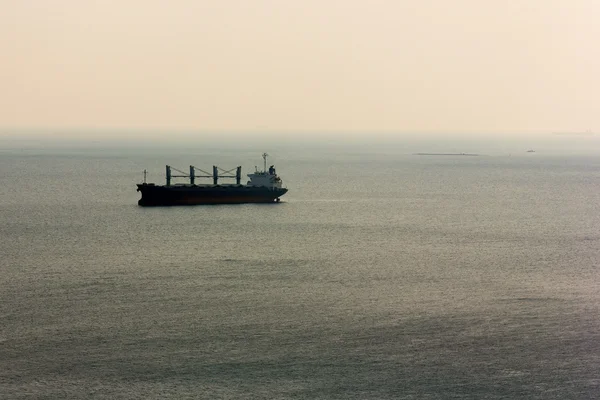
173, 195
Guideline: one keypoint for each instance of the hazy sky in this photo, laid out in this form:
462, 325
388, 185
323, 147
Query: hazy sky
306, 65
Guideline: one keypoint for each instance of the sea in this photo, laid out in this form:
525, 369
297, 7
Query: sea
381, 274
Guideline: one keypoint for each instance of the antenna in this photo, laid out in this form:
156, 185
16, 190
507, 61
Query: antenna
265, 158
145, 172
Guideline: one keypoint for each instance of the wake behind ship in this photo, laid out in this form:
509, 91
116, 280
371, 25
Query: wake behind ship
263, 187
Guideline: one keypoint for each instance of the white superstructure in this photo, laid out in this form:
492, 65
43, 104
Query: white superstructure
265, 178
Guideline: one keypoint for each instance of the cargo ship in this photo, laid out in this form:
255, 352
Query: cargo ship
263, 187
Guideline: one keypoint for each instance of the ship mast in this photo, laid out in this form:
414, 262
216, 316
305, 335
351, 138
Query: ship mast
265, 159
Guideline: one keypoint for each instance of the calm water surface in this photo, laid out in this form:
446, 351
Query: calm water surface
380, 276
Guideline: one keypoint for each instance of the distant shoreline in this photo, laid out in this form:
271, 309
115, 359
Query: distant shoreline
446, 154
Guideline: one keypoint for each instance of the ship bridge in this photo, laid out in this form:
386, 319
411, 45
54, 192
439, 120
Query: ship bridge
265, 178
